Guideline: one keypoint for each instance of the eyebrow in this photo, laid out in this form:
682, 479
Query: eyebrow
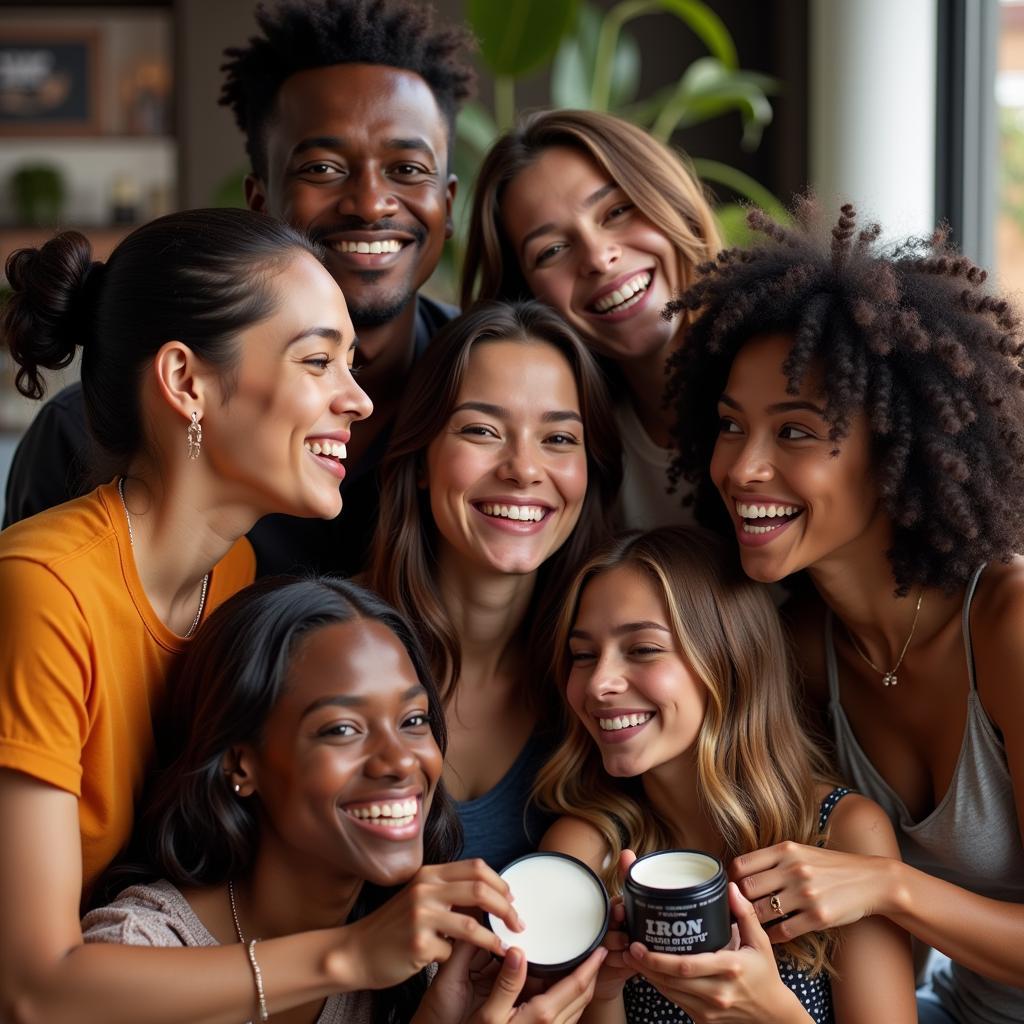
329, 333
414, 142
622, 630
592, 200
500, 412
795, 406
340, 700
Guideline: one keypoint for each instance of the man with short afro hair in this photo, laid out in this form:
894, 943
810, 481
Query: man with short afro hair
300, 35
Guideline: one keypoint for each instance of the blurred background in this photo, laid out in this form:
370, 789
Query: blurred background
914, 109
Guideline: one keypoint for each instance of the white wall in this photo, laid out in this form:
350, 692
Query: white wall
872, 109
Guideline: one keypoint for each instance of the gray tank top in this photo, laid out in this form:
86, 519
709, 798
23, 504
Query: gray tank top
971, 838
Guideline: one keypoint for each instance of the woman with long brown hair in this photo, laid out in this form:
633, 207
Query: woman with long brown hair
502, 467
594, 217
685, 734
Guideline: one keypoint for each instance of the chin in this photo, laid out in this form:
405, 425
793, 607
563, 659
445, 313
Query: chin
388, 872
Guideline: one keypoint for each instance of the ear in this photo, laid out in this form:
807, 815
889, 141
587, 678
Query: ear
180, 380
451, 187
239, 770
255, 194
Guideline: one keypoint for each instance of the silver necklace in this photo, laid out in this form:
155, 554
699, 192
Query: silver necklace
131, 541
234, 912
890, 678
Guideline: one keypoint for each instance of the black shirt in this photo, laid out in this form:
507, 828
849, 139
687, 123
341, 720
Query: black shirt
56, 461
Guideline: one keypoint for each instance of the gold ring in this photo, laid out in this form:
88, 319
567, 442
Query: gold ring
775, 903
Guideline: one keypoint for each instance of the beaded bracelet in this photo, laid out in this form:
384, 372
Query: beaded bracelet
257, 976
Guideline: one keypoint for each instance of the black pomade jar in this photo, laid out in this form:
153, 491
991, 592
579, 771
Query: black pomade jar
677, 902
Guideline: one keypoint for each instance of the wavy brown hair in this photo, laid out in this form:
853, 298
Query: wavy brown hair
757, 769
657, 180
403, 560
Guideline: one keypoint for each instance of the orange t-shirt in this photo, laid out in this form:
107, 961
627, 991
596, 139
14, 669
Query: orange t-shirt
84, 659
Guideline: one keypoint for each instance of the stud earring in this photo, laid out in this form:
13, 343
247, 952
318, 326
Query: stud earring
194, 436
237, 788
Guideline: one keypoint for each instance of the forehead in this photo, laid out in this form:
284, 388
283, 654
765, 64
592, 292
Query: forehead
364, 105
756, 371
538, 370
622, 594
561, 179
359, 658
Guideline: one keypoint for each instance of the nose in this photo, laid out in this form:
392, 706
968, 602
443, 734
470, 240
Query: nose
520, 465
599, 253
367, 194
751, 463
607, 678
391, 757
350, 399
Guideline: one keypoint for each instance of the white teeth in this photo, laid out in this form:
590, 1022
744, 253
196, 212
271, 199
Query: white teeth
765, 511
393, 815
332, 448
624, 293
624, 721
386, 245
529, 513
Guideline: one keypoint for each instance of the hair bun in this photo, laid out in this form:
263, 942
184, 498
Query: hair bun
51, 311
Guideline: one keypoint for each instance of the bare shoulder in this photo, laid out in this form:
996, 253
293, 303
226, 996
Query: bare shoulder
803, 615
997, 635
579, 839
859, 825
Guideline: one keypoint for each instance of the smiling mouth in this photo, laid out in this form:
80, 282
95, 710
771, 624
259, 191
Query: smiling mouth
391, 814
387, 245
628, 294
620, 722
517, 513
329, 449
764, 518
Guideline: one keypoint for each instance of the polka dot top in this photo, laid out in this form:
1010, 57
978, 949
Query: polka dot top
646, 1005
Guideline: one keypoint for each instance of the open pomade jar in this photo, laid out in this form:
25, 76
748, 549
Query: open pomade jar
564, 907
677, 902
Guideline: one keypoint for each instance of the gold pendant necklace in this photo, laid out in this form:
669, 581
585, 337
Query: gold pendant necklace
890, 678
131, 542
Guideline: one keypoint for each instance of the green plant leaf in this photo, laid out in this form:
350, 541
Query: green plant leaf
707, 89
707, 26
572, 72
742, 184
476, 128
517, 36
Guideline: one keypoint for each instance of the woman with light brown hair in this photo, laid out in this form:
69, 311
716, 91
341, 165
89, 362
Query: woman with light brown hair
502, 467
594, 217
685, 734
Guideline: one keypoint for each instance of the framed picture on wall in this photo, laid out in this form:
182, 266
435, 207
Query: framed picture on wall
49, 81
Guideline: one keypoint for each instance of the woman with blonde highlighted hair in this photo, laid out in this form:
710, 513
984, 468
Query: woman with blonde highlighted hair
594, 217
685, 733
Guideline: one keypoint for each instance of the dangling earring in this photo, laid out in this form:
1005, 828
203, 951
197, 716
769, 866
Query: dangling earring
194, 436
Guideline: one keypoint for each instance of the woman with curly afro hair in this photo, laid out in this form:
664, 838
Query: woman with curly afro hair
859, 411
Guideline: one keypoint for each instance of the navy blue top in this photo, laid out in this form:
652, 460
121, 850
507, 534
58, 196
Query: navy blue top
500, 826
646, 1005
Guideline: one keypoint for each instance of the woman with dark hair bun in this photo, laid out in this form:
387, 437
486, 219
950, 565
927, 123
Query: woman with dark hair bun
304, 735
858, 410
215, 370
501, 472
